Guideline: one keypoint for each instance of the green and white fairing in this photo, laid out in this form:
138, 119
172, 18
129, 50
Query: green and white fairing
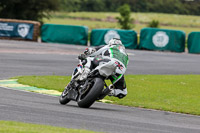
117, 54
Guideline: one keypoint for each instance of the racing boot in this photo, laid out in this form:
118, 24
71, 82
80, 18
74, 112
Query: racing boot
118, 93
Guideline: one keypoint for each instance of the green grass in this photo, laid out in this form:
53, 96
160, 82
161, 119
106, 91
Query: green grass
172, 19
88, 23
185, 23
19, 127
177, 93
98, 24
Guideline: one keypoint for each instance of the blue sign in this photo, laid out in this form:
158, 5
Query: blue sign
12, 29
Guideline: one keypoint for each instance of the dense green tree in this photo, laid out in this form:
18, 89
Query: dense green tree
154, 24
192, 7
27, 9
93, 5
70, 5
38, 9
164, 6
125, 20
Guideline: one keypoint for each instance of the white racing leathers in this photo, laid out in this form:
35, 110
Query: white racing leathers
111, 56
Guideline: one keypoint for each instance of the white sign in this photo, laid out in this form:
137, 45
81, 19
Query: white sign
160, 39
23, 29
110, 35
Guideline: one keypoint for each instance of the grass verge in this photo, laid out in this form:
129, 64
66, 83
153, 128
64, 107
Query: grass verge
176, 93
173, 21
19, 127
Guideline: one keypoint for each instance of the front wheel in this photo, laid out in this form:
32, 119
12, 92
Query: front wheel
96, 87
63, 98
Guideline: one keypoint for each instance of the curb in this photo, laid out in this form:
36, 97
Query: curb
13, 84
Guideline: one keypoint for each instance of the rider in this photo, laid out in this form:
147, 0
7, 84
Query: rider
115, 50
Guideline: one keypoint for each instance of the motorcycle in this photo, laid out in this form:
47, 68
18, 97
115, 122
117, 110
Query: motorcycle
86, 92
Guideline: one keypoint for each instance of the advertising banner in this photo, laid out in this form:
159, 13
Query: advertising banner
13, 29
103, 36
162, 39
194, 42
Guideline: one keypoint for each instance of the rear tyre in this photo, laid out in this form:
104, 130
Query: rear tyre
94, 92
63, 98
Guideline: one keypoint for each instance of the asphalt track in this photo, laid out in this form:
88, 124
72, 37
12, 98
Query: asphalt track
26, 58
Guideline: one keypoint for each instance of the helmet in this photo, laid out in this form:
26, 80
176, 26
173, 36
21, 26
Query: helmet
114, 41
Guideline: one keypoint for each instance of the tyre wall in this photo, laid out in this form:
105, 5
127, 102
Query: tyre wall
194, 42
162, 39
102, 36
66, 34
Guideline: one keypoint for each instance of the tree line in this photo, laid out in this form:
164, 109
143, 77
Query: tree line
39, 9
28, 9
188, 7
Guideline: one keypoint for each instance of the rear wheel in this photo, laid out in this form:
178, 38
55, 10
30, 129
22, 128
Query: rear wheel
88, 98
63, 98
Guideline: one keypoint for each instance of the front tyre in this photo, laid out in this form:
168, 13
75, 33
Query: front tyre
63, 98
95, 90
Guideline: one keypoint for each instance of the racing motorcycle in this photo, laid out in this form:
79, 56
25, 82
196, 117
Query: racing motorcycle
86, 92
